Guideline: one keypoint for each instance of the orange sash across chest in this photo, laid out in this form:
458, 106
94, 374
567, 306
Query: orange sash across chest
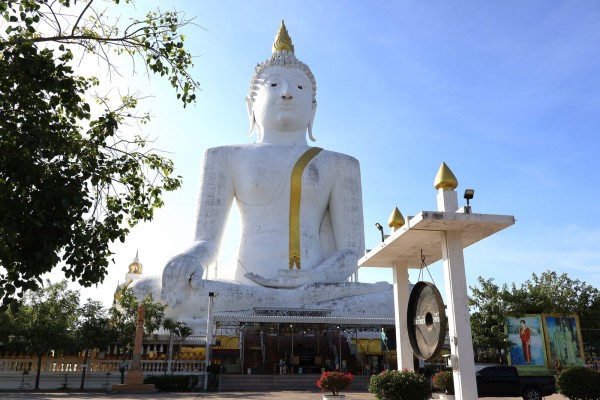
295, 196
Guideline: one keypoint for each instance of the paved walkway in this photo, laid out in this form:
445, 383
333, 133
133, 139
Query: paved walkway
212, 396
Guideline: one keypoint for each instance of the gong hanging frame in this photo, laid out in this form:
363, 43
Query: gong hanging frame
426, 320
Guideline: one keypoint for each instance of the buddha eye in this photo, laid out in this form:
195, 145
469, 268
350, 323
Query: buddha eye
300, 87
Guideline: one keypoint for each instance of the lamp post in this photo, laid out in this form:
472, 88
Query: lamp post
292, 363
211, 298
469, 194
340, 347
378, 226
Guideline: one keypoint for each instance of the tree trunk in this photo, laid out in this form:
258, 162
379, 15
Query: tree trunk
39, 371
85, 360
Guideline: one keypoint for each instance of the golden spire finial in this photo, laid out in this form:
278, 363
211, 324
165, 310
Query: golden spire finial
396, 220
283, 41
136, 267
445, 179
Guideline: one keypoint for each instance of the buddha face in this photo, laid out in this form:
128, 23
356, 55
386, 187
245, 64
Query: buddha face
283, 100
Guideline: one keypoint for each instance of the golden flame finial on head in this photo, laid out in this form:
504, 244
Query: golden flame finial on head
396, 220
283, 41
445, 179
282, 56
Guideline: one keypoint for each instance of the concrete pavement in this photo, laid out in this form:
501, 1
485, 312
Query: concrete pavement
197, 396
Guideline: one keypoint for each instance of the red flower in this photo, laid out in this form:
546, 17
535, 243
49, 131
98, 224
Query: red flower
334, 381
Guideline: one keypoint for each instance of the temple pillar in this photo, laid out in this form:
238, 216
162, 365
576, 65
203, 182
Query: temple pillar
461, 342
404, 351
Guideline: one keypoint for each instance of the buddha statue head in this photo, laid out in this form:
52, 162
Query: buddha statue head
280, 78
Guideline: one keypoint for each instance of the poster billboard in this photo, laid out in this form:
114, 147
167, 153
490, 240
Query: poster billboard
563, 340
526, 336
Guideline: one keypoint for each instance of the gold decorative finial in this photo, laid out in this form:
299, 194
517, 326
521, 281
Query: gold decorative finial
283, 41
445, 179
396, 220
136, 267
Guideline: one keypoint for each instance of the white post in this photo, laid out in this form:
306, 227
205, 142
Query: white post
404, 350
211, 297
241, 346
340, 347
170, 355
461, 342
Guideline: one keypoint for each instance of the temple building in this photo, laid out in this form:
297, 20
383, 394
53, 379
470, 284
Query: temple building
134, 273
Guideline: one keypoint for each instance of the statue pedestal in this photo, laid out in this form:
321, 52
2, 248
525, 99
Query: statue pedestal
133, 389
134, 383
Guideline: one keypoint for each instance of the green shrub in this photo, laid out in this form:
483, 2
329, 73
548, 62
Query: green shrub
579, 383
173, 383
400, 385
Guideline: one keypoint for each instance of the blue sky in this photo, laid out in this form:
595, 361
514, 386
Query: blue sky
507, 93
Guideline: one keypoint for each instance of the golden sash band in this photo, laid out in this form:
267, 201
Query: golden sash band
295, 196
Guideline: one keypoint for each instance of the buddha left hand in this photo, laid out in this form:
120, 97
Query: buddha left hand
336, 268
281, 283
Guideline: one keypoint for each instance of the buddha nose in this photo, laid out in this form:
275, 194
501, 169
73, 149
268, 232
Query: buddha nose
285, 92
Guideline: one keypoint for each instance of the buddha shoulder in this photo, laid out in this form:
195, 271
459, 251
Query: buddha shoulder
234, 149
222, 152
343, 160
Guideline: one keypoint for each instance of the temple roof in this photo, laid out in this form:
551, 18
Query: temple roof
296, 319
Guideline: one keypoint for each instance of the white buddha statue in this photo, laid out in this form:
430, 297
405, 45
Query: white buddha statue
301, 208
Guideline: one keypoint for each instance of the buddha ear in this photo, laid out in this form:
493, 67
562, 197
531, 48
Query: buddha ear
312, 119
250, 110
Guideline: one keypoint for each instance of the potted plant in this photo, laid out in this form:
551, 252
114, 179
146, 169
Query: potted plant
444, 381
334, 382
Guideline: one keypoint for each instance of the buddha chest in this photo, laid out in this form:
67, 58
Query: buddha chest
262, 175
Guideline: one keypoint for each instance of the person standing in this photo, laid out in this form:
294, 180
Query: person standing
282, 367
525, 335
570, 345
559, 342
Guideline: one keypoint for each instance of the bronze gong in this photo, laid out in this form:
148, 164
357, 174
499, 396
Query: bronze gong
426, 320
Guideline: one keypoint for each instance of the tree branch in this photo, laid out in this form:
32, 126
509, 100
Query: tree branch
88, 5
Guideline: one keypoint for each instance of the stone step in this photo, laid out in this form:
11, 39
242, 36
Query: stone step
249, 383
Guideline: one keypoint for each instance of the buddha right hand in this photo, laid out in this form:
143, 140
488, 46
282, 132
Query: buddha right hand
181, 276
